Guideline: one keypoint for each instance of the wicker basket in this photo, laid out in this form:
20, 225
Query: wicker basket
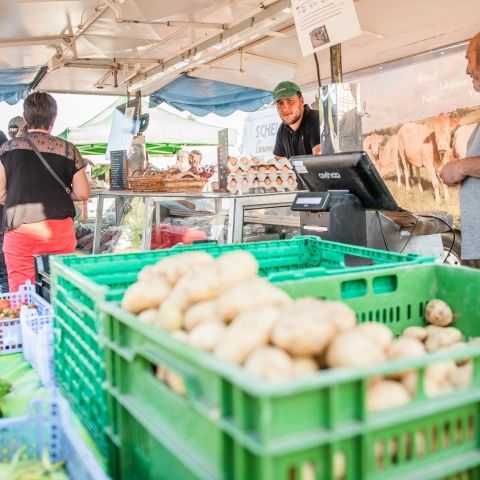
162, 182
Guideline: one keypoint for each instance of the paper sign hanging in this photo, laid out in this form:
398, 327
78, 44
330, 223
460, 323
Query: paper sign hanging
322, 23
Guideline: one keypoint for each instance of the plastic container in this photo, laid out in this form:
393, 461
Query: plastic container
10, 330
37, 337
229, 425
47, 427
80, 283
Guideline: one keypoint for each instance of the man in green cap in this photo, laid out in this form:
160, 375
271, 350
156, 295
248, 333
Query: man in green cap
299, 133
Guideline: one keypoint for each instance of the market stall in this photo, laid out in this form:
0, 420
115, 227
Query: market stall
284, 359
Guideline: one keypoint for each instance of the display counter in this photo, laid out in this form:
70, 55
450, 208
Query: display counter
119, 221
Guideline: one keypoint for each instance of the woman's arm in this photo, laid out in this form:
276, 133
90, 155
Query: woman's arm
80, 186
3, 184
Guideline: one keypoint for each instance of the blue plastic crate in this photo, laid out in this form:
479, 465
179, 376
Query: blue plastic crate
47, 425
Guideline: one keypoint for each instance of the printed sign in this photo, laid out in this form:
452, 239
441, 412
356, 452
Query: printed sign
322, 23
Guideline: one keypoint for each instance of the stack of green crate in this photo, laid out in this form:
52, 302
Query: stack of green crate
231, 426
80, 283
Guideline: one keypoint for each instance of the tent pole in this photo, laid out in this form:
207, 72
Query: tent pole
336, 63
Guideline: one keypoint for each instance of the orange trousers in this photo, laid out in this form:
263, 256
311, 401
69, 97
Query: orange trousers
22, 243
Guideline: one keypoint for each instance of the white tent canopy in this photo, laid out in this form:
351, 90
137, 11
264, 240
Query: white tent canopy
115, 46
164, 127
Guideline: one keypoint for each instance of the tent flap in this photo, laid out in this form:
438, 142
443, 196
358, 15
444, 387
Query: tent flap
200, 96
15, 83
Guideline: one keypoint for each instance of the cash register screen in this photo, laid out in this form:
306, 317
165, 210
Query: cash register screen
352, 171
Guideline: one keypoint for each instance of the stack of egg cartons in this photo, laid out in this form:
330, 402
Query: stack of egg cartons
254, 175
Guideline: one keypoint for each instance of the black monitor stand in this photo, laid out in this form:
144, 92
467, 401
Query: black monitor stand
335, 215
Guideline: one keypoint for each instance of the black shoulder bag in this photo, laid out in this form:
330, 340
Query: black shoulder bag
47, 166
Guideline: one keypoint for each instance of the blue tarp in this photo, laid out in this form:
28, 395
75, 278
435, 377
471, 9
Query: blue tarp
200, 96
15, 83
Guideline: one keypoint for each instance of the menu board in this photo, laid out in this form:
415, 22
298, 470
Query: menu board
118, 169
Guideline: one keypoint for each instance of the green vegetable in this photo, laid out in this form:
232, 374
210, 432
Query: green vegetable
23, 468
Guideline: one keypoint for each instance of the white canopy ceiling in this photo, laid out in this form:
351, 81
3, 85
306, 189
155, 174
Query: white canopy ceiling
115, 46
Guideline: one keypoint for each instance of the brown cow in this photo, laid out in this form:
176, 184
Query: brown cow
422, 145
388, 160
371, 145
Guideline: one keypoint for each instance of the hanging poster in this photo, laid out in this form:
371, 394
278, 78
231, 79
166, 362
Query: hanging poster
322, 23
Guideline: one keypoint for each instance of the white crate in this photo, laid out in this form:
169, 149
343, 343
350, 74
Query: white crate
36, 335
10, 330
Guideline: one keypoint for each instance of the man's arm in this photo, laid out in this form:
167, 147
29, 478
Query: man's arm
455, 172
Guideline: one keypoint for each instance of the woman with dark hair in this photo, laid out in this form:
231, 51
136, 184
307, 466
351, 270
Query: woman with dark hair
40, 178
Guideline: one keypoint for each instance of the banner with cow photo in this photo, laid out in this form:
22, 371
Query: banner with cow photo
413, 123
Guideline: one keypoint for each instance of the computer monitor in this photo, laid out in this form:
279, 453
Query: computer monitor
352, 171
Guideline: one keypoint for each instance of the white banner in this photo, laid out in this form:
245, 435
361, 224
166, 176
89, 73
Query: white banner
322, 23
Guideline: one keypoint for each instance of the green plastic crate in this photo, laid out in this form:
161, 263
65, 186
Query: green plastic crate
232, 426
80, 282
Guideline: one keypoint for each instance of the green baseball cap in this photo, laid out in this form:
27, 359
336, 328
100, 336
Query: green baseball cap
285, 89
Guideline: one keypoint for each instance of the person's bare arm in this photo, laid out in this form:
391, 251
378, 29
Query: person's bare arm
455, 172
279, 158
3, 184
80, 186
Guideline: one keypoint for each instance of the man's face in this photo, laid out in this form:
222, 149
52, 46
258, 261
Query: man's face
290, 109
473, 63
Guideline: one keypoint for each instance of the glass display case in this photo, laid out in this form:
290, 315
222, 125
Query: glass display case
120, 221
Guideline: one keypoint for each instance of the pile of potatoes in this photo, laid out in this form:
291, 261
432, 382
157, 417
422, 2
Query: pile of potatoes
224, 307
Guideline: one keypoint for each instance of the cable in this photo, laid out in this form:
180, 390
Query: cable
451, 230
381, 230
319, 79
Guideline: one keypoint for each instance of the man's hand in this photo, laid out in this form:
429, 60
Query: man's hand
453, 173
317, 149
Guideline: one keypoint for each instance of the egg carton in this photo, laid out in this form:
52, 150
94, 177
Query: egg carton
256, 165
262, 182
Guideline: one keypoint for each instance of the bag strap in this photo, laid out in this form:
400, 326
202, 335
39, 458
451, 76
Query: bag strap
47, 166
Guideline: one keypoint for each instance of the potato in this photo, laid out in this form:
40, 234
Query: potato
247, 332
438, 312
303, 331
201, 313
339, 465
442, 338
252, 295
304, 366
270, 363
175, 382
386, 394
410, 381
206, 336
462, 376
352, 348
437, 378
200, 284
143, 296
340, 314
420, 333
175, 266
170, 316
149, 317
377, 332
148, 273
237, 267
405, 347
